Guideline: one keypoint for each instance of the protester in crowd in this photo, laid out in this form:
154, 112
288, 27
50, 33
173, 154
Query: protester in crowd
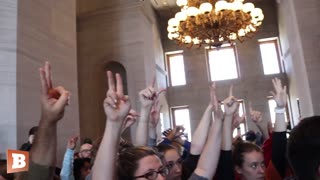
27, 146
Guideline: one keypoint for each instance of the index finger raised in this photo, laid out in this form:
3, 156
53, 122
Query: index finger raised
111, 84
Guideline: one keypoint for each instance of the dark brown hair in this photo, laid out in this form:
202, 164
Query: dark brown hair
304, 148
128, 161
241, 148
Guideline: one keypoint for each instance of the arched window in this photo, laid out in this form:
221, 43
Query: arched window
116, 67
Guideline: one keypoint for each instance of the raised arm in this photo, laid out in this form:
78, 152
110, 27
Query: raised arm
208, 161
67, 166
280, 96
259, 122
154, 120
200, 134
147, 97
232, 119
231, 106
116, 106
53, 103
279, 139
130, 119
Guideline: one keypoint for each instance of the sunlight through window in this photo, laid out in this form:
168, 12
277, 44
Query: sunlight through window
176, 70
182, 117
269, 55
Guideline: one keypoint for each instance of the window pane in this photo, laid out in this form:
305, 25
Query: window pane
182, 117
222, 64
162, 122
176, 68
269, 56
272, 105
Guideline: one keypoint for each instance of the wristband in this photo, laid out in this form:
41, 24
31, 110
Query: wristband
279, 110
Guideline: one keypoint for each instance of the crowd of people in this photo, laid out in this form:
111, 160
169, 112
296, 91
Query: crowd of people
213, 152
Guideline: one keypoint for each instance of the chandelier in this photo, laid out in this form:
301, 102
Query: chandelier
214, 22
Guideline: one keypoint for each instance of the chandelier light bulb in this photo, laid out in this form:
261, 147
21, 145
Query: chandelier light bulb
260, 17
207, 41
187, 39
182, 2
195, 41
236, 5
173, 22
192, 11
248, 7
170, 36
252, 28
172, 29
233, 36
221, 5
256, 12
241, 33
205, 8
181, 16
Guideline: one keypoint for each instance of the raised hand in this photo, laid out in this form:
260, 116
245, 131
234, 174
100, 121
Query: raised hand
237, 120
280, 94
53, 99
72, 142
155, 114
116, 104
218, 114
175, 133
148, 95
255, 116
231, 104
166, 132
130, 119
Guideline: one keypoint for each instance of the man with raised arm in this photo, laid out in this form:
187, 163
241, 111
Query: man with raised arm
53, 103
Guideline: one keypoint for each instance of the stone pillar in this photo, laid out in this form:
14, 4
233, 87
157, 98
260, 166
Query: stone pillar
35, 32
8, 75
299, 35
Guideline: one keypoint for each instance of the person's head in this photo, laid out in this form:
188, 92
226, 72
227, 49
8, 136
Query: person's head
32, 133
304, 148
87, 141
249, 161
85, 151
251, 136
140, 163
172, 159
81, 168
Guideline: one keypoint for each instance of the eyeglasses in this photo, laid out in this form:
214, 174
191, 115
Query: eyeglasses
152, 175
171, 164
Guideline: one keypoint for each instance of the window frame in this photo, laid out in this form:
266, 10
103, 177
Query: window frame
173, 121
168, 55
225, 46
288, 119
276, 43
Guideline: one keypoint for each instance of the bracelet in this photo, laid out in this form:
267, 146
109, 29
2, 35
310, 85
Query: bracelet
279, 110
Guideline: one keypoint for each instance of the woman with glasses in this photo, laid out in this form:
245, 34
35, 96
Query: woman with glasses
172, 160
140, 163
